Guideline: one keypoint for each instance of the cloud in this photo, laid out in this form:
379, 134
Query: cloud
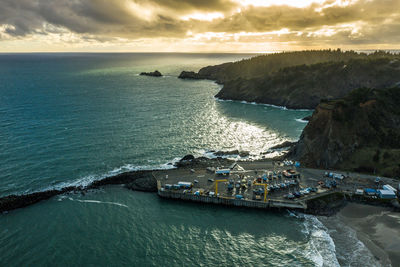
333, 22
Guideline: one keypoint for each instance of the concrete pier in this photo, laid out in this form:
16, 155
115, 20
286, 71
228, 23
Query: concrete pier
233, 202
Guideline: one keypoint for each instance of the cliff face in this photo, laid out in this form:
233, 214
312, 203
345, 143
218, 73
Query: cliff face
260, 66
301, 79
304, 86
360, 133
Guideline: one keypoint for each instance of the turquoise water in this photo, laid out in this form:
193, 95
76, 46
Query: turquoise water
73, 118
115, 227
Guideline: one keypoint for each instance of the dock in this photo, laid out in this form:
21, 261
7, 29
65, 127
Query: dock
244, 185
230, 201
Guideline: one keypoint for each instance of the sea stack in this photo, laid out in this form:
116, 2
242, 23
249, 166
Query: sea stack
155, 73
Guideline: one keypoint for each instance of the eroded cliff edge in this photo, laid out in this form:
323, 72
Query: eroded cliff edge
301, 79
360, 132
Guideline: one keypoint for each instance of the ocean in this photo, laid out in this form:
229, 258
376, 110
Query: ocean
69, 119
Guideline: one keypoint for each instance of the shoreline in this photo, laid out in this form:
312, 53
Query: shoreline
261, 104
378, 228
145, 180
373, 224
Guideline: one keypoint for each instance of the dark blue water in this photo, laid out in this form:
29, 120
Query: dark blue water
73, 118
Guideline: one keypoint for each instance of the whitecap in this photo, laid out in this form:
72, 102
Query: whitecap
301, 120
89, 179
261, 104
321, 250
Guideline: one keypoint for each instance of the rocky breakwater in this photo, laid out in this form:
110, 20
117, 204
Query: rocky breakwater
143, 180
135, 180
360, 132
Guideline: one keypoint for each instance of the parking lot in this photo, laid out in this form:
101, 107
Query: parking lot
247, 180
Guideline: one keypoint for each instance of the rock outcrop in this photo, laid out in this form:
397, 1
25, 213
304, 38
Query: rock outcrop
154, 73
305, 86
190, 75
326, 205
202, 162
147, 183
232, 153
360, 132
187, 157
286, 144
301, 79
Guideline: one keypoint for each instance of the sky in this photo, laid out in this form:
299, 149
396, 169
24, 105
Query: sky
197, 25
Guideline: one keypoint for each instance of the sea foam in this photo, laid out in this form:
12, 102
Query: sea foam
321, 250
261, 104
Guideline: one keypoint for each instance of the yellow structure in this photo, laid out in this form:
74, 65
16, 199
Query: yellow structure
216, 185
265, 190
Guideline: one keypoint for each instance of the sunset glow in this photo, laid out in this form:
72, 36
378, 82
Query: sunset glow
198, 26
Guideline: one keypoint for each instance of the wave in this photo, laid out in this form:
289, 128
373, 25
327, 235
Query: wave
86, 181
99, 202
89, 179
349, 249
322, 249
260, 104
301, 120
211, 154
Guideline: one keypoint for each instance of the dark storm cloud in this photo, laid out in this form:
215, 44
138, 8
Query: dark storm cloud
271, 18
379, 19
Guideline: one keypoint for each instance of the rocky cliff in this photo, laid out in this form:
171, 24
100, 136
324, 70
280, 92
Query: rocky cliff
360, 132
301, 79
304, 86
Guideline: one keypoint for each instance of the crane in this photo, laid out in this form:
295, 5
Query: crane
216, 185
265, 190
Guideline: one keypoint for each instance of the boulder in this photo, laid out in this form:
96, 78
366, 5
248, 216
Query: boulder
232, 152
187, 157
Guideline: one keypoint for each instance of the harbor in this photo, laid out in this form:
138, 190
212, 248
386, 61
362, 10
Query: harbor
272, 185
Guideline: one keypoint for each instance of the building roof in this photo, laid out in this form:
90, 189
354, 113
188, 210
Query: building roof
386, 192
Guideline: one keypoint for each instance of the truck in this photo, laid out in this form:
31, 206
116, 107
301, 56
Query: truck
186, 185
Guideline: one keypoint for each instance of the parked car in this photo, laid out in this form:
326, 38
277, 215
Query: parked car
289, 196
297, 194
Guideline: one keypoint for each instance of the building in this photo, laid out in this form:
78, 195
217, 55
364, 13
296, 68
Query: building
386, 194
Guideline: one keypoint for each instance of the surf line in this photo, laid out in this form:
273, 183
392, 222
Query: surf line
99, 202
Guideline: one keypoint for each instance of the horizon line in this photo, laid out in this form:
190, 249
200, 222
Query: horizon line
193, 52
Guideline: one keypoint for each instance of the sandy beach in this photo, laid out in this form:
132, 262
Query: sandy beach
378, 228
